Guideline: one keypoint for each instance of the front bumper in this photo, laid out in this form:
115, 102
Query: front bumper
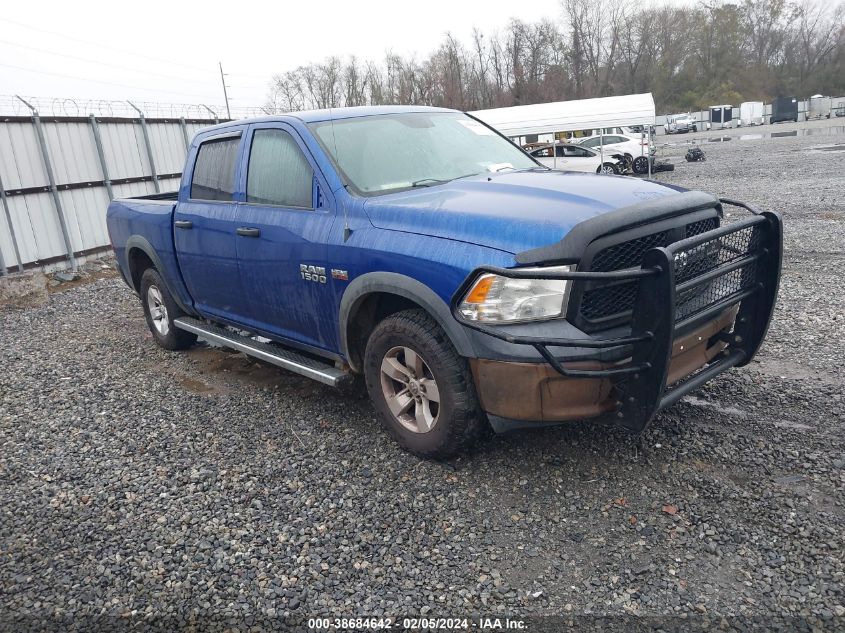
675, 343
537, 393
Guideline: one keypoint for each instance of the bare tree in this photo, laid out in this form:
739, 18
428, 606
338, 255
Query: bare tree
685, 55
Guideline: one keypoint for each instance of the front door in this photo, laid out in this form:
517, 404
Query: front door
283, 260
204, 229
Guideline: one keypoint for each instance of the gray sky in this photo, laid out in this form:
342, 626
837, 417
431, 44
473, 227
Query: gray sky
168, 51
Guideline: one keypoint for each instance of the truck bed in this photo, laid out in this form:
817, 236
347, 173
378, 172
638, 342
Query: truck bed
166, 195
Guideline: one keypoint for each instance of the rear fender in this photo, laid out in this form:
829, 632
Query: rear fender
172, 279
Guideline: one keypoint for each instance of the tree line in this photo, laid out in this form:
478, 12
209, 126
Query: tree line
689, 57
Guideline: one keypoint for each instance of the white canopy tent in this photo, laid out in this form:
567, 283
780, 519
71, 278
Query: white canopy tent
570, 116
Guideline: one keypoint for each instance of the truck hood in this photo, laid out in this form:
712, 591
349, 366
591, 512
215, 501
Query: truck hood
511, 212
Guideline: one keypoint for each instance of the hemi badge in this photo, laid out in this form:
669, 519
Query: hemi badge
340, 275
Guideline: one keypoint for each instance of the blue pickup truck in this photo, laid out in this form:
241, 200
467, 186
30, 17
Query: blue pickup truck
466, 284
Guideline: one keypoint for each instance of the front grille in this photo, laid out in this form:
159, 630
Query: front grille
611, 304
607, 301
702, 226
627, 254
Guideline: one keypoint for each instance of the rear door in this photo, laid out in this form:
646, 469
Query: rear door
580, 159
204, 227
284, 270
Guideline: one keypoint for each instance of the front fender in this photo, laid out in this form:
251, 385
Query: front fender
403, 286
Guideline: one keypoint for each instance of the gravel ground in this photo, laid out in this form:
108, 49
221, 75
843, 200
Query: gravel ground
200, 486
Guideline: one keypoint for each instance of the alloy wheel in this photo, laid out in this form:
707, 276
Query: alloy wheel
158, 311
410, 389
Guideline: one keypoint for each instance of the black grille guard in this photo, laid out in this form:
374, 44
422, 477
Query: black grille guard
656, 322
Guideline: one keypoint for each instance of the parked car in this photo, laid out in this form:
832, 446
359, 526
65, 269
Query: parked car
680, 124
568, 157
465, 283
630, 146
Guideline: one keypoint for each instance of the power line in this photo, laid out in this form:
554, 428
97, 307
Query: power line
169, 62
95, 61
105, 46
106, 83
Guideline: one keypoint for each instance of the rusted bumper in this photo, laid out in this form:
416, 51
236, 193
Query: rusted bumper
535, 392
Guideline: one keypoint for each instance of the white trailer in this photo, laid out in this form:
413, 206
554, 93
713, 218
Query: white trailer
751, 113
819, 107
721, 116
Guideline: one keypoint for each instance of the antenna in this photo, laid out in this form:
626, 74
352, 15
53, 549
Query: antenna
347, 232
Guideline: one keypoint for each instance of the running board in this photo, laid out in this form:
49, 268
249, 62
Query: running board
274, 354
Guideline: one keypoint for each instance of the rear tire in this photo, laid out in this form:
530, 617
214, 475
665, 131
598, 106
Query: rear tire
640, 165
421, 388
161, 310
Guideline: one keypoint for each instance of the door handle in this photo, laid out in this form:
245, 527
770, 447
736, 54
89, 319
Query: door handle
247, 232
183, 224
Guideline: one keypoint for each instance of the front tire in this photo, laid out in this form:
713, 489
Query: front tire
161, 310
608, 169
421, 388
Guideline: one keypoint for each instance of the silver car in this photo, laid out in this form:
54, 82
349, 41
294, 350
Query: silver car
679, 124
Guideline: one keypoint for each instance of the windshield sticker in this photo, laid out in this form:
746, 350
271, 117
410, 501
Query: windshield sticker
476, 127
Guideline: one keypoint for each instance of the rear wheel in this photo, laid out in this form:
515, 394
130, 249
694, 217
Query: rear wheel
421, 388
640, 165
161, 310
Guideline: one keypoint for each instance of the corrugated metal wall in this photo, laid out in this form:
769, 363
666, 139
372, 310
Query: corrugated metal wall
31, 234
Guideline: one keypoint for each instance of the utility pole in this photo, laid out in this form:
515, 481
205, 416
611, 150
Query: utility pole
225, 94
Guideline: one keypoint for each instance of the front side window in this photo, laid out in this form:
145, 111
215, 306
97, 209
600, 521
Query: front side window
391, 152
214, 172
278, 173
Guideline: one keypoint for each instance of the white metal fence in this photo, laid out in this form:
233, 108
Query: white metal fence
58, 174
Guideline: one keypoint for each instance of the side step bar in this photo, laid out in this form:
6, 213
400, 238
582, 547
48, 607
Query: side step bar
274, 354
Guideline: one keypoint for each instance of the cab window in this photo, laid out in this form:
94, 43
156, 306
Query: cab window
214, 171
278, 172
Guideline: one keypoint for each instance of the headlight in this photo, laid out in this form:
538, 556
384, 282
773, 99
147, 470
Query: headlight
496, 299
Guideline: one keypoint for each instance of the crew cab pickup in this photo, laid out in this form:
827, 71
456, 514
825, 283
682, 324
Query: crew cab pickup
468, 285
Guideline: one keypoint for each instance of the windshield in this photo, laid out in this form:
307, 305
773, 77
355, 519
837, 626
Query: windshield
378, 154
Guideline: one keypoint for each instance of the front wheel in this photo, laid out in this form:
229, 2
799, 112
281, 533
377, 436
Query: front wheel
607, 169
160, 311
421, 388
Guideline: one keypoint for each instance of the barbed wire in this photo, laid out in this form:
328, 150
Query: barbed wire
10, 105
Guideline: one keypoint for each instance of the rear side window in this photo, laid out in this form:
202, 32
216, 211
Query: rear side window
279, 174
214, 173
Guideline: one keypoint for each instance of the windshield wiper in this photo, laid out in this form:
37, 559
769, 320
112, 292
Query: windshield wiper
427, 182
